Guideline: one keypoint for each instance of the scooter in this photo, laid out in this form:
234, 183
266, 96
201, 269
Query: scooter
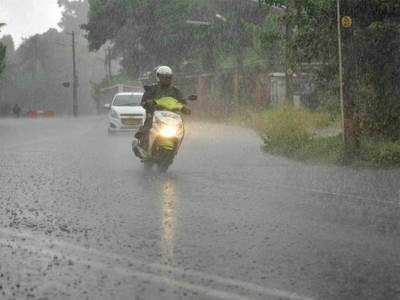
166, 134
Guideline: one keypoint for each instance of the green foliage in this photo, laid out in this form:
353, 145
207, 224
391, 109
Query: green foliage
383, 153
291, 132
274, 2
269, 41
74, 14
328, 150
3, 51
148, 33
288, 128
139, 30
370, 53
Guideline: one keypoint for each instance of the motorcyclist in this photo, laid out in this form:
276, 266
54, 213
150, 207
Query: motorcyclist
163, 88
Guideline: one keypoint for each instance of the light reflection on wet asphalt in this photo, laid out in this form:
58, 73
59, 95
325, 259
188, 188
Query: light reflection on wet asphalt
170, 205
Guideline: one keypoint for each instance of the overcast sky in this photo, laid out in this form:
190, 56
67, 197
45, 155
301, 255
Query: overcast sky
28, 17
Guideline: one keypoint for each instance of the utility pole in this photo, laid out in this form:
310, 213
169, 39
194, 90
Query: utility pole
34, 66
347, 80
35, 56
339, 27
75, 81
107, 63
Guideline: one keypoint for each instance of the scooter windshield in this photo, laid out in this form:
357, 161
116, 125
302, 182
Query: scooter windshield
169, 103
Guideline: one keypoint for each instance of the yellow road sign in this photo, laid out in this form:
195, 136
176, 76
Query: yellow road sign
347, 22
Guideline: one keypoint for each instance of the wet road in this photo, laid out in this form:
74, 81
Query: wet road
79, 218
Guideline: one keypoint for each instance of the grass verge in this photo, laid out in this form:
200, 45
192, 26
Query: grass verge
314, 137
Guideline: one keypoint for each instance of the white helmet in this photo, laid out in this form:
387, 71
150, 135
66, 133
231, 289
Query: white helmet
164, 70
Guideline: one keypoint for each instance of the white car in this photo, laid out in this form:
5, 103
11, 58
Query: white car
125, 114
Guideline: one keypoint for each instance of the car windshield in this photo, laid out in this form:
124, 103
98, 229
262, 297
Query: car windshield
127, 100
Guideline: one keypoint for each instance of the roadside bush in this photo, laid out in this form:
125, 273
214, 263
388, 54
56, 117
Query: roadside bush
386, 154
295, 132
328, 149
288, 128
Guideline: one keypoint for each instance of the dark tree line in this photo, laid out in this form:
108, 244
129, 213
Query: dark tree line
3, 50
147, 33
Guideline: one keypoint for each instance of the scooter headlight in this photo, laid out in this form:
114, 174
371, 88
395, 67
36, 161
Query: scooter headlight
168, 132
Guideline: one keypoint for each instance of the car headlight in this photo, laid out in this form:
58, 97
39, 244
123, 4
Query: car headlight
168, 132
114, 114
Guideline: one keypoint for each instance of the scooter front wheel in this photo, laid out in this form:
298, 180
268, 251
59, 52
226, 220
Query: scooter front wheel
163, 167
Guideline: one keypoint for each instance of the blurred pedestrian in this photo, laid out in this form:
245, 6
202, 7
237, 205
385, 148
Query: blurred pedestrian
17, 110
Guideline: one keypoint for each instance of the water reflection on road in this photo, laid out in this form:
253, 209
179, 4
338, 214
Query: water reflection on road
167, 200
170, 207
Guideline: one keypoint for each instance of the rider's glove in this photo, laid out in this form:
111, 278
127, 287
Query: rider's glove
149, 105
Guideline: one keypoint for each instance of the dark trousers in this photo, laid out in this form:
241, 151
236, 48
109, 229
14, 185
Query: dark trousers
143, 133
